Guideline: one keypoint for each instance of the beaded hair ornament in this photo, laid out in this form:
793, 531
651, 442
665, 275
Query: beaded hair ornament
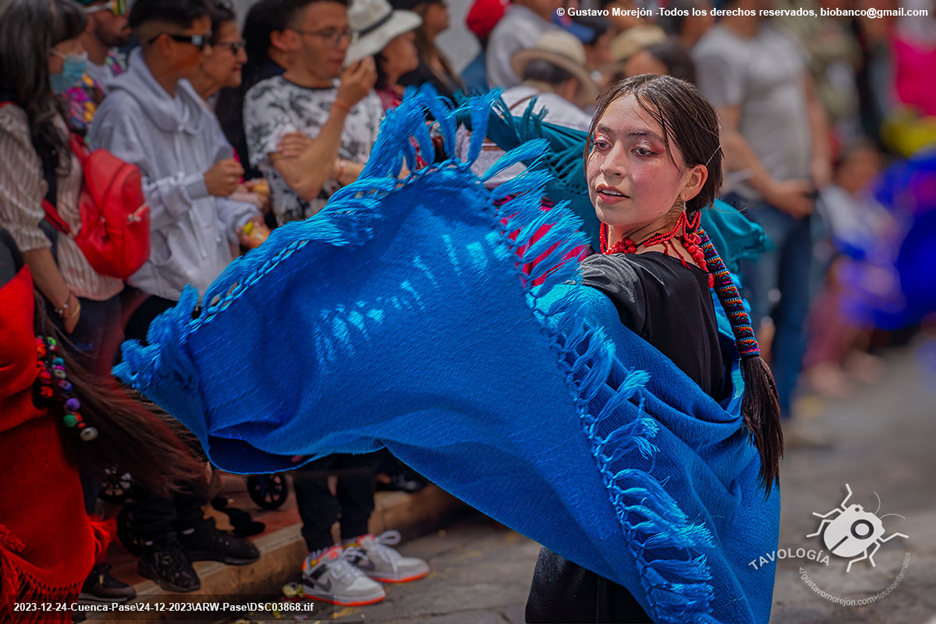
52, 382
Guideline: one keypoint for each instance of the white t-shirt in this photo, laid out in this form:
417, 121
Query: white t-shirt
763, 76
275, 107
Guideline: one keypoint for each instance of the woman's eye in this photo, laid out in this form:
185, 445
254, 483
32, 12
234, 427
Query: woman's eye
601, 144
643, 151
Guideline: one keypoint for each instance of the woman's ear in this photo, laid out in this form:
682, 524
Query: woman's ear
695, 181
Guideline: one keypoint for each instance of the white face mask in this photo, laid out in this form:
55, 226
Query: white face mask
73, 69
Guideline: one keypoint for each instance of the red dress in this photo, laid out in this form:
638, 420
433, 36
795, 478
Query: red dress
48, 544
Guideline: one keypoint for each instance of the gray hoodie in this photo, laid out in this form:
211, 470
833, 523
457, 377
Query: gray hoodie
173, 141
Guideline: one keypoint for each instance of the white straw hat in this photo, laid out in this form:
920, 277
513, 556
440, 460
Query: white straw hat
373, 24
566, 51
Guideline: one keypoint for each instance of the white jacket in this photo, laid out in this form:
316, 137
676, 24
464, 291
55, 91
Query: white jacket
173, 141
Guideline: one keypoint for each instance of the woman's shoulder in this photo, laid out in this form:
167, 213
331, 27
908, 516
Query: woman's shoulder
16, 146
621, 279
616, 265
642, 277
13, 120
628, 266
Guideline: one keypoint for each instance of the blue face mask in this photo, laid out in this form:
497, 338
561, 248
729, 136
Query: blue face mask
72, 71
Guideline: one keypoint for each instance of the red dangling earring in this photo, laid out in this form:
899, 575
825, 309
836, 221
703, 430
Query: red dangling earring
691, 241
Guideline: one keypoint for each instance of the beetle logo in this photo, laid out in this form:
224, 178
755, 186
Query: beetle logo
854, 531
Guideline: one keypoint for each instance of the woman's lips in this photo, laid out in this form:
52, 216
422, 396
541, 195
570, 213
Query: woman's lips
609, 195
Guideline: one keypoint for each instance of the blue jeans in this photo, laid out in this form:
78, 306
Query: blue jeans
784, 270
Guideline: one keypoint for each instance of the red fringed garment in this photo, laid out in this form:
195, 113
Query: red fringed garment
47, 542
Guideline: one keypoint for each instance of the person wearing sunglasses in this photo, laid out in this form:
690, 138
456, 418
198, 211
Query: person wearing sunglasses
155, 119
106, 31
222, 68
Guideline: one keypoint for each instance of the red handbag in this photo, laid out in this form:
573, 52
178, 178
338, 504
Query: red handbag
115, 224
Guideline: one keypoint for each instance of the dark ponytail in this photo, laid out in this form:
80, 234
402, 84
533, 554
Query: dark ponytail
133, 435
759, 405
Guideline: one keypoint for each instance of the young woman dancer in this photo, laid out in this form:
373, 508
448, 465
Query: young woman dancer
653, 163
613, 411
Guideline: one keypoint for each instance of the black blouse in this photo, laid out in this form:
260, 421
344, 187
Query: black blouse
666, 304
669, 306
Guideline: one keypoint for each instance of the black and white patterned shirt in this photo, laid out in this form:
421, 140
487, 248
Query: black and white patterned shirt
275, 107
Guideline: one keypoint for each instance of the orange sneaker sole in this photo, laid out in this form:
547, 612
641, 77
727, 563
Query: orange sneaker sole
402, 580
347, 604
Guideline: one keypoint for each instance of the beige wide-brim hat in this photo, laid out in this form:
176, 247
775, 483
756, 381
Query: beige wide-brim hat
563, 50
635, 39
374, 24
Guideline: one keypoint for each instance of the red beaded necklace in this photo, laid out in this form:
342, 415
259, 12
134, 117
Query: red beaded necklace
686, 229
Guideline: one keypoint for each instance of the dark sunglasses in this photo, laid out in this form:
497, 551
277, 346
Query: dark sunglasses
117, 7
199, 41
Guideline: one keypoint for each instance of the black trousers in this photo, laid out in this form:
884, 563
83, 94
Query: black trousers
97, 334
147, 311
159, 519
155, 517
565, 592
353, 502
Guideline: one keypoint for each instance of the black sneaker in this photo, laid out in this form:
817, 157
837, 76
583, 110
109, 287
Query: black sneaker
206, 543
168, 565
101, 587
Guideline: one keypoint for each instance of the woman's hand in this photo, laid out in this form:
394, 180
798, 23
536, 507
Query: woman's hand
793, 197
71, 312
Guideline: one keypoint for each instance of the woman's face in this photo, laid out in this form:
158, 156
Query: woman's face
399, 56
69, 46
632, 180
435, 18
223, 66
644, 63
598, 53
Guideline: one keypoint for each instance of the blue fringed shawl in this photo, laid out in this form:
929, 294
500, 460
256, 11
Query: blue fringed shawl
401, 316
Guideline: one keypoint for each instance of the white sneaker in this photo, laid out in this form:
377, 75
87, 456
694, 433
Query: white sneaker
332, 578
376, 559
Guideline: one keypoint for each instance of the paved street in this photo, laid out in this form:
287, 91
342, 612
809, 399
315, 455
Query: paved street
884, 439
884, 443
481, 574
